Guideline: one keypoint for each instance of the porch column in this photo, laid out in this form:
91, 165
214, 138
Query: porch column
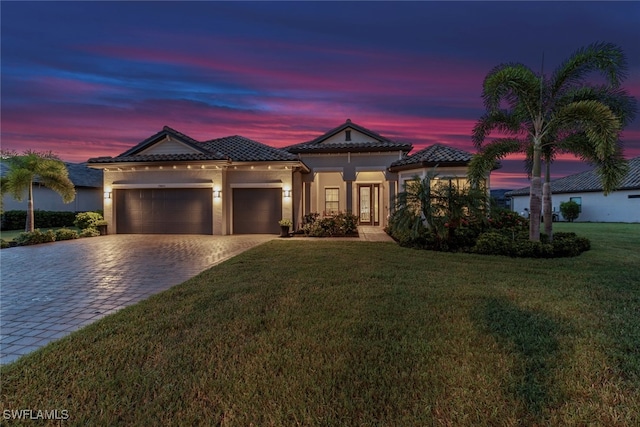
349, 194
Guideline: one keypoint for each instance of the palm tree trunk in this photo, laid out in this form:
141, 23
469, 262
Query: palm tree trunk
535, 195
546, 201
29, 226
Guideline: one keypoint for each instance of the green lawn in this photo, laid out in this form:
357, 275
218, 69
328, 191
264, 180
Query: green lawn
353, 333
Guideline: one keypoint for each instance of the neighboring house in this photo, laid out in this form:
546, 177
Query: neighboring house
88, 184
621, 205
171, 183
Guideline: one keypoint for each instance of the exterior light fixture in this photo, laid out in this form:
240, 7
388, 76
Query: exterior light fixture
287, 193
217, 194
107, 195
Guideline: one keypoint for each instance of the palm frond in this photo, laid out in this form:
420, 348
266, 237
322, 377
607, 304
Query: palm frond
598, 123
502, 121
513, 83
486, 160
606, 58
623, 105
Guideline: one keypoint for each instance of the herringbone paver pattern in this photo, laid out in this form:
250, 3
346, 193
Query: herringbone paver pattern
50, 290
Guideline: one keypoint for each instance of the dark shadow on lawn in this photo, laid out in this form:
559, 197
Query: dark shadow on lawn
531, 336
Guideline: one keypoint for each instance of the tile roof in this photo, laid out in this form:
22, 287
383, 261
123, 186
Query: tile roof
181, 157
231, 148
588, 181
241, 149
436, 154
79, 174
377, 142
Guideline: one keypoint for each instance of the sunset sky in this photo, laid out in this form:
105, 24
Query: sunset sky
88, 79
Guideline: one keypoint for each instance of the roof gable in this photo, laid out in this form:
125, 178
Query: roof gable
349, 137
167, 141
434, 155
588, 181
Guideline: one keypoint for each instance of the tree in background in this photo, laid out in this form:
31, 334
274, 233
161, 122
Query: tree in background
570, 210
545, 116
29, 166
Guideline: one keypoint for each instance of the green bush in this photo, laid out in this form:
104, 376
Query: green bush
4, 244
89, 232
570, 210
16, 219
342, 224
35, 237
88, 220
66, 234
568, 244
530, 249
492, 243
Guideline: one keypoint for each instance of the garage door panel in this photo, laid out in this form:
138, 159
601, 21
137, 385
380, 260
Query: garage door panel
257, 210
164, 211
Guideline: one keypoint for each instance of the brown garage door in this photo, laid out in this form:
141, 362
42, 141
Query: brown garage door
257, 210
164, 211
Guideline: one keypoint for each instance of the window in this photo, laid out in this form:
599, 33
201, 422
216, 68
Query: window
633, 196
347, 135
331, 201
578, 200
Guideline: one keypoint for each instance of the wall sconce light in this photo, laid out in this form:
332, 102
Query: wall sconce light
287, 193
217, 194
107, 195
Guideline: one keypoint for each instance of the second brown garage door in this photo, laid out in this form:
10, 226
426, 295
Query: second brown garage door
257, 210
164, 211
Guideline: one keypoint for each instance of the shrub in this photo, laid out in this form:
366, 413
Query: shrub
4, 244
35, 237
530, 249
16, 219
568, 244
342, 224
492, 243
89, 232
570, 210
66, 234
88, 220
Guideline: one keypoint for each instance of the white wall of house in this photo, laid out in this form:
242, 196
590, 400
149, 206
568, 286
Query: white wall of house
618, 206
87, 199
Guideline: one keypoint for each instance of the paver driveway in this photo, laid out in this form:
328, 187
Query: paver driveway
50, 290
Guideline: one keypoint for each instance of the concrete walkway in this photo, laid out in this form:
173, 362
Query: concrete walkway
48, 291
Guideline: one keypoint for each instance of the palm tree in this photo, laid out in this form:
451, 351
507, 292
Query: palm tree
543, 117
29, 166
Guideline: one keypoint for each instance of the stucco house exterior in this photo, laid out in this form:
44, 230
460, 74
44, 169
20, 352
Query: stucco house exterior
621, 205
171, 183
88, 185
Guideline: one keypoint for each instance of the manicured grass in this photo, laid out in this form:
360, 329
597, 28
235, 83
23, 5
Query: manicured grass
354, 333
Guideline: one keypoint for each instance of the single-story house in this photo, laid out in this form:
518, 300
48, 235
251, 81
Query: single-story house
88, 184
171, 183
585, 188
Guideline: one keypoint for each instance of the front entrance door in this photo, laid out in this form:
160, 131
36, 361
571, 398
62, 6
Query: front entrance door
368, 204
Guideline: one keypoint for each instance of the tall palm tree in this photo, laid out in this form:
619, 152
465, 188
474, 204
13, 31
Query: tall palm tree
29, 166
544, 116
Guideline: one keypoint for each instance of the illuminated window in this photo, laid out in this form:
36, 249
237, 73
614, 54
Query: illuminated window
331, 201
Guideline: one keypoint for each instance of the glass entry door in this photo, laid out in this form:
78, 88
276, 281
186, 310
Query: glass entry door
368, 202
